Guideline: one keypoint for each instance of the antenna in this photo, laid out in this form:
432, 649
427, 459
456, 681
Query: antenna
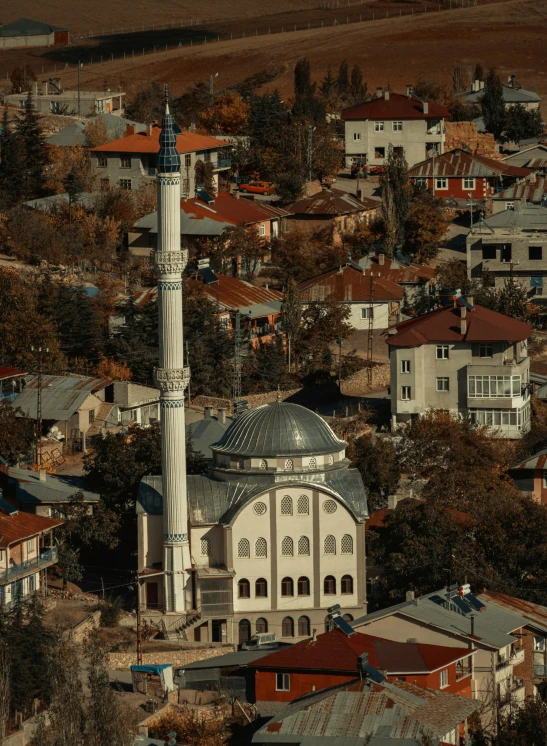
38, 452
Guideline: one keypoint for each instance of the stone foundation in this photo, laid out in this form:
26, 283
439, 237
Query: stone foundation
357, 384
466, 132
176, 657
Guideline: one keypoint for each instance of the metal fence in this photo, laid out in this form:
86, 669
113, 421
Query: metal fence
17, 571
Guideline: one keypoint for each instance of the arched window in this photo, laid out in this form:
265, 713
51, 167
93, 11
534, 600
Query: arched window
288, 463
261, 548
303, 505
244, 588
348, 617
244, 630
346, 586
312, 463
261, 625
303, 545
287, 587
205, 547
287, 548
329, 586
287, 627
286, 505
346, 545
329, 545
263, 464
241, 464
303, 626
261, 588
303, 586
328, 624
243, 548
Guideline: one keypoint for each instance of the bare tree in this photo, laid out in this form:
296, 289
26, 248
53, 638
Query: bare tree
291, 316
5, 689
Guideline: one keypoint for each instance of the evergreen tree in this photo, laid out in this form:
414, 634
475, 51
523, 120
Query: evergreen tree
513, 301
78, 324
493, 106
5, 687
342, 80
303, 87
521, 123
328, 84
33, 146
357, 89
478, 73
74, 184
11, 178
396, 195
458, 84
136, 341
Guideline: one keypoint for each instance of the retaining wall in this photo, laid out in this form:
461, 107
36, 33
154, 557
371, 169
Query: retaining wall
176, 657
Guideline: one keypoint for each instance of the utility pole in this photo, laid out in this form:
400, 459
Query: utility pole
212, 84
370, 335
470, 203
38, 456
79, 65
310, 150
139, 622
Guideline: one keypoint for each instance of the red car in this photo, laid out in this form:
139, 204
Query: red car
256, 187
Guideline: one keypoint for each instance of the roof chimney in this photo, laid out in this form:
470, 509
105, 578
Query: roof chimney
314, 635
386, 94
463, 327
130, 130
149, 129
409, 596
237, 194
221, 414
463, 312
476, 85
44, 88
408, 90
42, 475
34, 87
379, 92
426, 107
470, 300
381, 259
207, 411
481, 85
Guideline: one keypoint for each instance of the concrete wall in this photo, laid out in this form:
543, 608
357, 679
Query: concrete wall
412, 139
40, 40
524, 267
380, 315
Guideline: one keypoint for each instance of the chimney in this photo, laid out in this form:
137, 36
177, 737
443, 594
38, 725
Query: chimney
463, 312
410, 596
314, 635
386, 94
408, 90
149, 129
34, 88
379, 92
381, 259
221, 414
470, 300
237, 195
463, 327
426, 107
130, 130
44, 88
207, 411
476, 85
481, 85
42, 474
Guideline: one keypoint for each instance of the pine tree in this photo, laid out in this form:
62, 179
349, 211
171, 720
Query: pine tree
493, 106
478, 72
513, 301
357, 89
303, 87
5, 688
342, 81
328, 84
34, 150
11, 180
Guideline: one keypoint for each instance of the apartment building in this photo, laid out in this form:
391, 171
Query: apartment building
467, 360
412, 126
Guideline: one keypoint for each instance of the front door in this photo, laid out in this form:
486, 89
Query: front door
151, 595
244, 630
216, 630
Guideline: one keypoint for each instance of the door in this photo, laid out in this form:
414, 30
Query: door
244, 630
216, 630
151, 595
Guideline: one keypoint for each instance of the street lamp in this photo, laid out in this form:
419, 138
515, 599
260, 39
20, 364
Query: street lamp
211, 83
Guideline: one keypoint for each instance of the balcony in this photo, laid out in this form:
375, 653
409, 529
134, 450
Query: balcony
222, 163
517, 657
16, 572
502, 670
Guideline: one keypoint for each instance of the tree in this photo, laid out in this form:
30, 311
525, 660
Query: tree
74, 184
191, 728
303, 87
323, 323
21, 79
513, 301
229, 115
291, 316
429, 91
96, 133
203, 174
342, 80
396, 193
264, 368
458, 80
377, 461
188, 108
5, 689
425, 226
521, 123
16, 433
11, 175
35, 157
493, 106
328, 85
300, 255
357, 89
147, 106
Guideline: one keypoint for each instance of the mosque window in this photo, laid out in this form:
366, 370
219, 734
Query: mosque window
288, 463
312, 463
241, 464
287, 627
287, 587
286, 505
346, 545
259, 508
263, 464
329, 586
331, 460
303, 586
261, 588
243, 548
303, 626
261, 548
244, 588
287, 547
329, 506
303, 505
347, 584
206, 548
303, 545
261, 625
329, 545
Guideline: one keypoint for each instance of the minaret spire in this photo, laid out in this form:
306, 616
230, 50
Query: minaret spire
171, 376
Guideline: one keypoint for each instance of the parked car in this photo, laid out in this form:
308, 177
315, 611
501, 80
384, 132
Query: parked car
261, 640
376, 170
328, 180
257, 187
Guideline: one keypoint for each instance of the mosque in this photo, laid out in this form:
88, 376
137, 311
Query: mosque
275, 534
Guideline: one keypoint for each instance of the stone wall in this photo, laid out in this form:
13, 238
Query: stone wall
357, 384
176, 657
255, 400
480, 144
79, 631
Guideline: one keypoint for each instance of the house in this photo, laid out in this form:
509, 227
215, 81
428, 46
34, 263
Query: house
465, 359
455, 617
533, 157
11, 382
332, 658
530, 476
512, 93
373, 711
333, 209
27, 33
131, 403
411, 277
462, 175
51, 98
366, 296
131, 160
203, 433
26, 551
75, 132
411, 126
512, 244
532, 191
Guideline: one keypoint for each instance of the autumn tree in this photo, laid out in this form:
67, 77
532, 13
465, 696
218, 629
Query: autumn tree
229, 115
69, 162
245, 249
522, 124
428, 90
300, 255
188, 108
96, 133
425, 227
513, 300
291, 316
378, 463
147, 105
203, 174
16, 433
396, 194
323, 323
22, 78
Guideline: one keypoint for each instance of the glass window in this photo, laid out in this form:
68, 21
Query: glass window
303, 505
406, 393
187, 159
288, 463
263, 464
261, 625
329, 545
329, 586
244, 588
286, 505
287, 627
509, 205
367, 313
397, 126
356, 136
261, 588
494, 386
262, 229
206, 548
303, 626
243, 548
303, 586
303, 545
444, 678
346, 586
405, 366
283, 682
287, 587
443, 384
101, 161
30, 545
346, 545
485, 350
441, 182
287, 548
421, 182
469, 183
442, 352
378, 126
125, 161
539, 644
125, 184
535, 253
261, 548
380, 152
312, 464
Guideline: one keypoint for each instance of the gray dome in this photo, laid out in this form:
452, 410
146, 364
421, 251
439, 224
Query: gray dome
279, 429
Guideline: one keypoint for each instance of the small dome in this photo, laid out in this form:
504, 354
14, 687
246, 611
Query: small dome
279, 429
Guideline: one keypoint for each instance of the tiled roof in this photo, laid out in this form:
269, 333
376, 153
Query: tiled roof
378, 518
332, 202
6, 372
226, 208
335, 651
459, 163
348, 283
142, 142
443, 325
395, 271
537, 461
529, 191
397, 106
20, 526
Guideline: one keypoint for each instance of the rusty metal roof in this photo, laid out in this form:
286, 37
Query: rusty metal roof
61, 395
348, 283
529, 191
459, 163
332, 202
535, 613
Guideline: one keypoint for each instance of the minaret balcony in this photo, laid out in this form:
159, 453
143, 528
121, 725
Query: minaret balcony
171, 262
172, 379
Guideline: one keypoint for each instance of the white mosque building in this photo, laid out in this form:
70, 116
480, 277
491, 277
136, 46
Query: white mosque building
275, 534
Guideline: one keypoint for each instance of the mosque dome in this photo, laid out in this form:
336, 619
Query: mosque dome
278, 429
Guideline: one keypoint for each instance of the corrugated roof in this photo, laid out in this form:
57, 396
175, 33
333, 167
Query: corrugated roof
29, 488
190, 224
234, 294
349, 284
459, 163
331, 202
534, 613
75, 133
529, 191
19, 526
27, 27
391, 269
61, 395
141, 142
537, 461
397, 106
526, 217
443, 325
510, 95
225, 207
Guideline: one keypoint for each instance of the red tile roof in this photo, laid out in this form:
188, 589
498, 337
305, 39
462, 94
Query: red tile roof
443, 325
142, 142
332, 202
459, 163
19, 526
10, 372
397, 106
228, 209
349, 284
397, 272
335, 651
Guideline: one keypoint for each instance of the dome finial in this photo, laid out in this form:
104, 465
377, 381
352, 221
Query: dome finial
166, 94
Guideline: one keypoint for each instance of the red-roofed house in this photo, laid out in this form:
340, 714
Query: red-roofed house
365, 295
131, 160
411, 277
409, 124
530, 476
465, 359
459, 174
331, 659
26, 550
11, 382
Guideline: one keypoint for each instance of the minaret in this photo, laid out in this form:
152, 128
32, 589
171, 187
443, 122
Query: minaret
172, 377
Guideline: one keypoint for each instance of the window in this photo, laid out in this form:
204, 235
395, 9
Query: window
346, 545
510, 419
485, 350
101, 161
303, 586
244, 588
367, 313
260, 508
535, 253
286, 505
125, 161
288, 463
397, 126
206, 547
348, 617
539, 644
185, 187
346, 586
378, 126
312, 464
91, 416
329, 506
262, 229
356, 136
399, 151
489, 251
261, 548
263, 464
287, 627
441, 182
125, 184
536, 281
329, 586
241, 464
287, 587
444, 678
303, 626
188, 160
261, 588
287, 548
406, 393
443, 384
469, 183
328, 624
31, 583
421, 182
303, 505
509, 205
283, 682
329, 545
30, 545
303, 545
207, 156
494, 386
261, 625
243, 548
442, 352
405, 366
331, 460
506, 252
380, 153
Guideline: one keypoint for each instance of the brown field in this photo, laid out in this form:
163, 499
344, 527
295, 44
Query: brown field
511, 35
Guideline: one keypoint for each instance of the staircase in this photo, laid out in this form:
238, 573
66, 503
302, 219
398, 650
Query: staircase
178, 629
100, 419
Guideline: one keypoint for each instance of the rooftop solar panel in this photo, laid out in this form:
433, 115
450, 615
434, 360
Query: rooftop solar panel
461, 604
205, 196
474, 601
437, 600
342, 625
208, 275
